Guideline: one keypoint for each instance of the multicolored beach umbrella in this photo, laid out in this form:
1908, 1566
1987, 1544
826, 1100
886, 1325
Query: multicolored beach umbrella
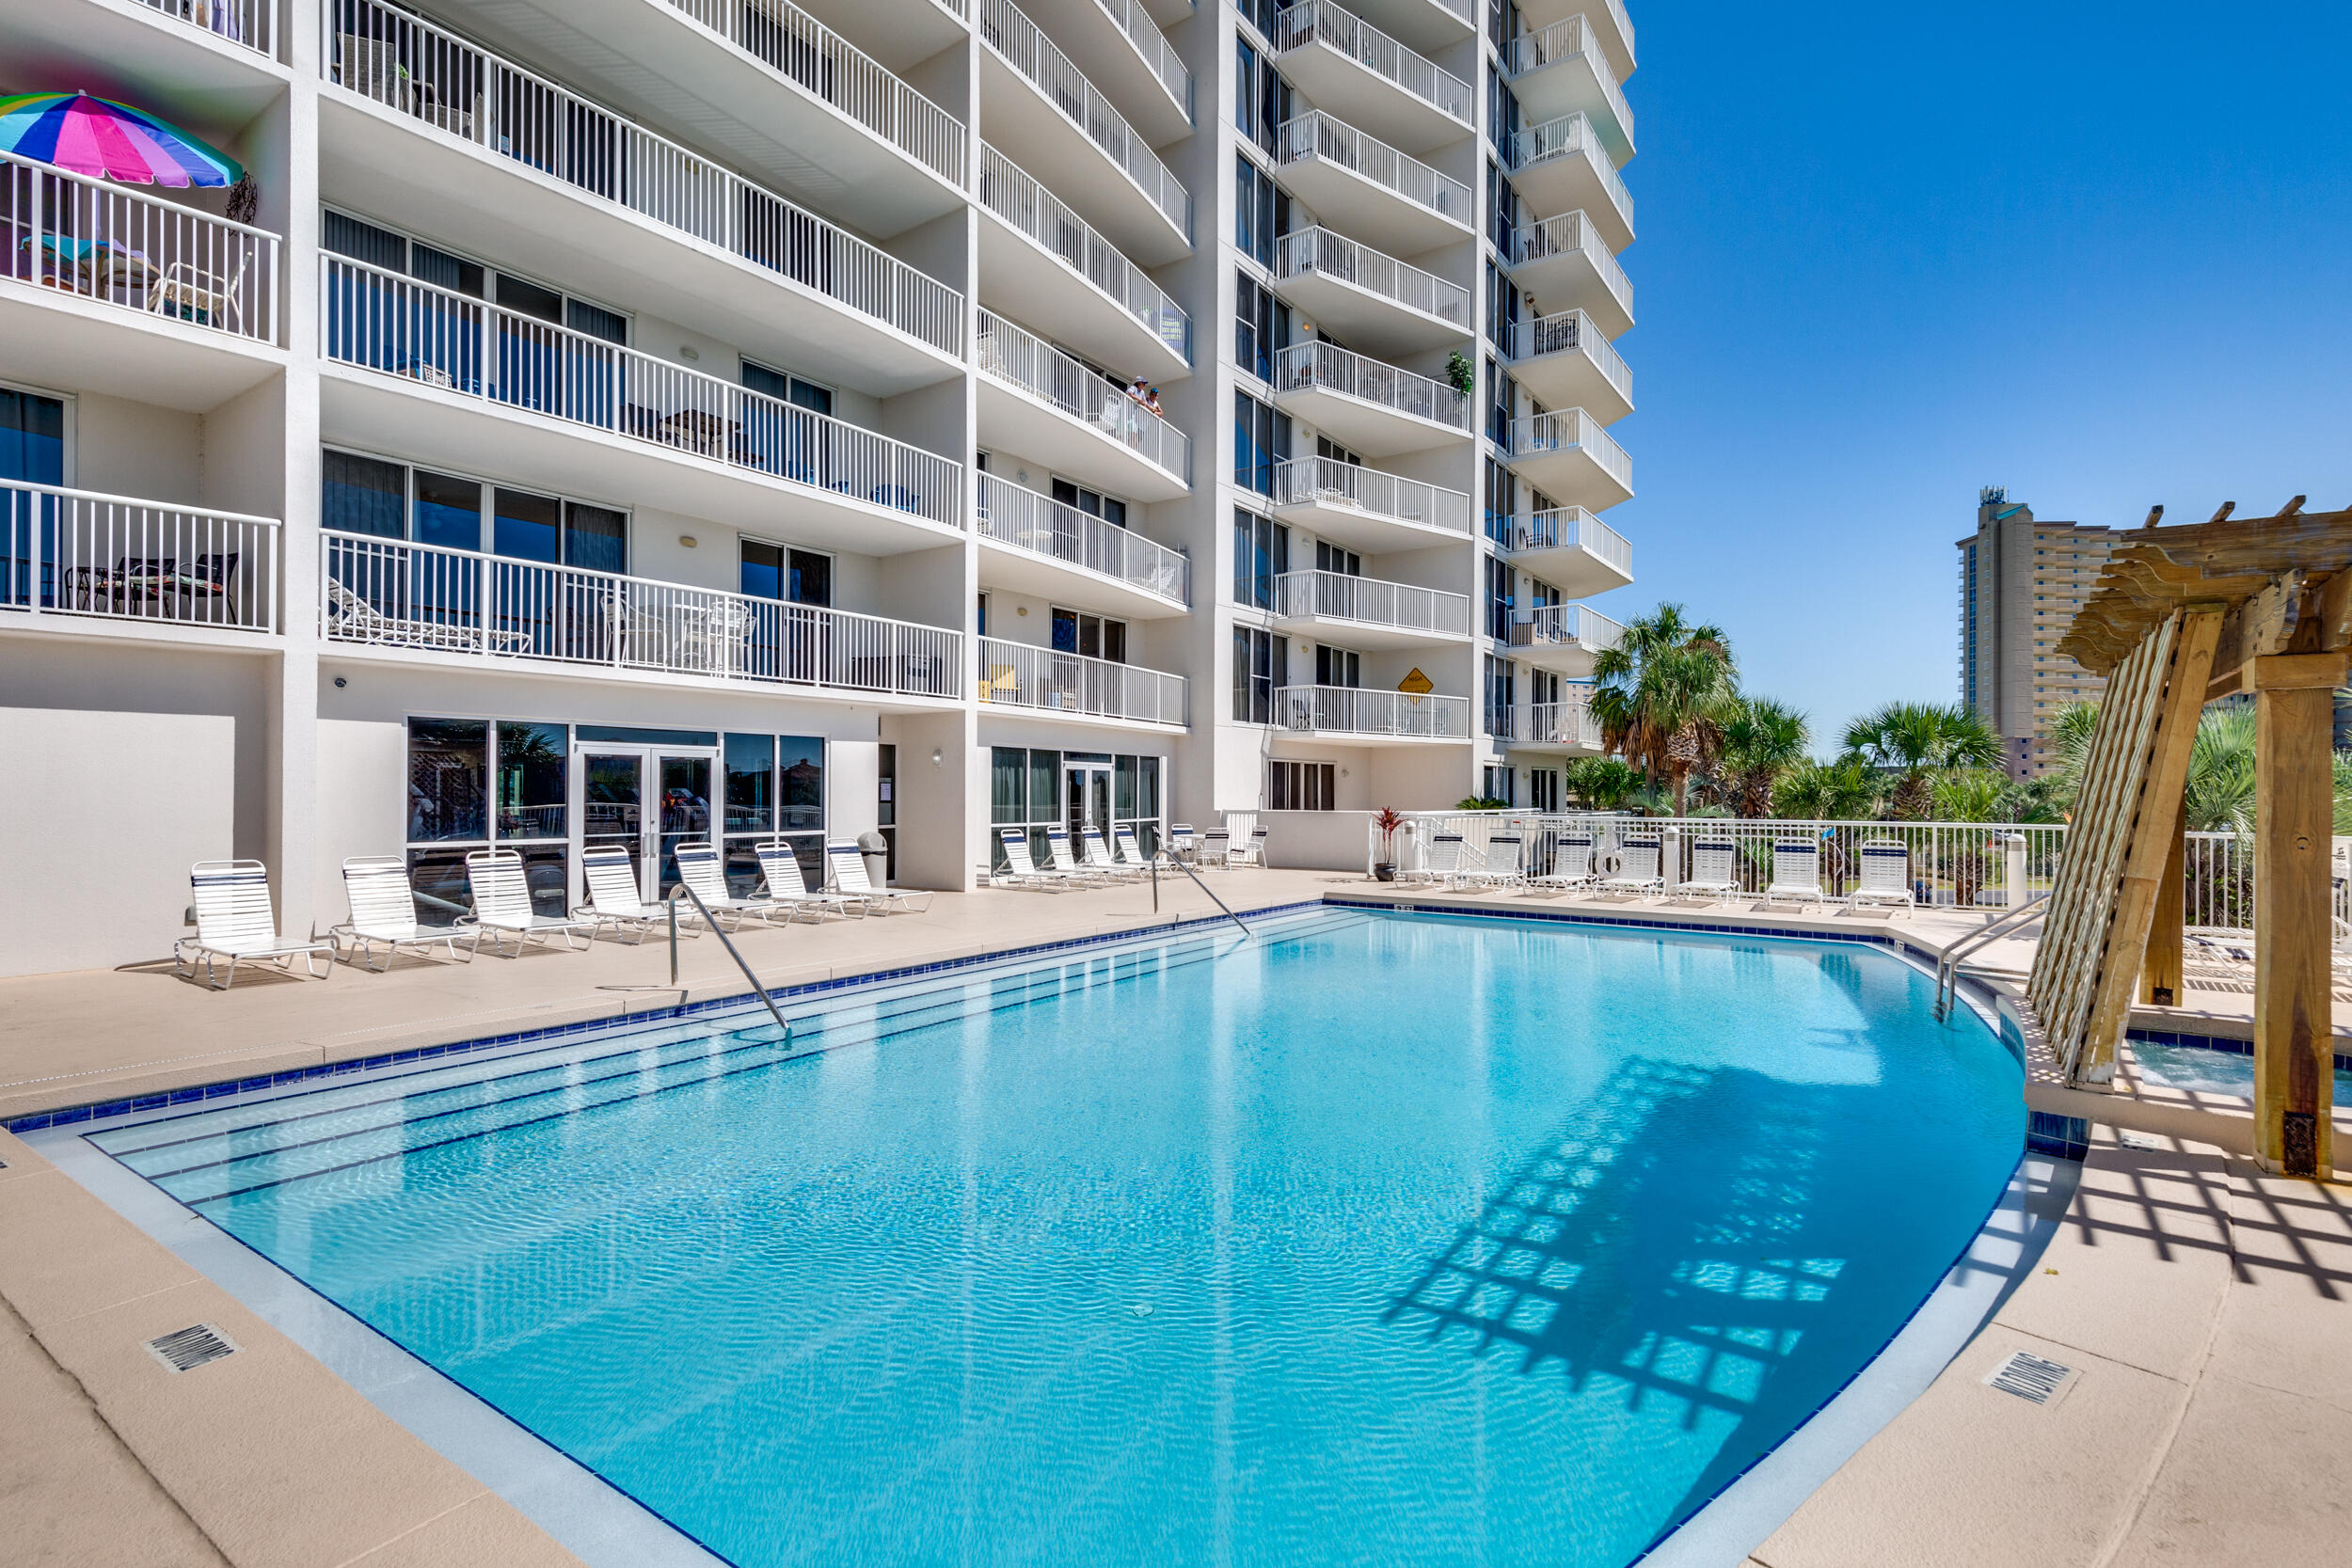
82, 135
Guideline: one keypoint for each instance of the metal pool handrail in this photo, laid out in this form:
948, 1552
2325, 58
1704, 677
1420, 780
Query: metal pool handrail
1947, 967
1196, 882
759, 990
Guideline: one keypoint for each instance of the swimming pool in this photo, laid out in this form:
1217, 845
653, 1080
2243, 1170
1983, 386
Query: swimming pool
1380, 1238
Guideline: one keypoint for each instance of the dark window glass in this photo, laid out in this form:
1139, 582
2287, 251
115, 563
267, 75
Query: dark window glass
763, 569
800, 764
526, 299
363, 241
810, 577
1245, 79
364, 496
751, 783
596, 537
631, 735
808, 395
1498, 600
1008, 784
448, 770
448, 512
528, 527
774, 384
1115, 641
1044, 787
534, 784
1065, 631
597, 322
32, 439
444, 270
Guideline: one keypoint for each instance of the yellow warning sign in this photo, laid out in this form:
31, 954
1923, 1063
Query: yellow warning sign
1416, 683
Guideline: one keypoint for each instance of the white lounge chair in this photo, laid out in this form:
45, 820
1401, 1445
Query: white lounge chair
1099, 860
780, 869
384, 914
501, 904
1885, 875
613, 899
235, 921
1180, 843
1796, 873
1571, 863
1130, 851
1060, 857
355, 620
1714, 870
700, 868
1442, 861
1637, 868
1021, 871
1497, 866
1215, 851
850, 882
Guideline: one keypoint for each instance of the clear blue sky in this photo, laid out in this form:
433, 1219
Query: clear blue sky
2099, 253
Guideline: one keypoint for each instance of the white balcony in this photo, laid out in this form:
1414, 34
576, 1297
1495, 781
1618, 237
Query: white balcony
1364, 717
1355, 292
1368, 612
1122, 50
1042, 112
1573, 550
577, 408
1036, 400
1560, 69
1564, 360
1040, 260
1563, 262
1427, 25
1570, 458
1563, 638
1365, 509
1557, 728
1036, 545
1372, 407
106, 289
74, 557
252, 23
1036, 680
509, 165
1346, 65
1365, 187
1561, 166
1608, 20
423, 603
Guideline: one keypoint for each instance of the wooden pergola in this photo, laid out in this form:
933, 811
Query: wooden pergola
2180, 617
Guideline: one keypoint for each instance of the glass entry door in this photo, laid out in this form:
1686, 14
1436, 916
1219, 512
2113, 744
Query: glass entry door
645, 800
1087, 799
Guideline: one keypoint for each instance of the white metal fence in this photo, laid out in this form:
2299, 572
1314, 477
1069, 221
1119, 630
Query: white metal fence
105, 242
1328, 482
1007, 190
1572, 430
1568, 527
1572, 234
251, 23
1336, 595
1022, 518
77, 552
1316, 135
1019, 674
1567, 722
1564, 626
1359, 710
1329, 368
1571, 332
391, 594
404, 63
381, 321
1150, 42
1017, 39
1320, 22
1037, 367
1563, 40
1572, 137
1307, 252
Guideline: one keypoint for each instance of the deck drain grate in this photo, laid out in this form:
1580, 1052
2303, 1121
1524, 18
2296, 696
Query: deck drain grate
191, 1347
2031, 1377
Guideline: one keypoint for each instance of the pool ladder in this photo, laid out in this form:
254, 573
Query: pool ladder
1947, 967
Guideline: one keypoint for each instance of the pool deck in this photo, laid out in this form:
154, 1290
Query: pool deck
2207, 1309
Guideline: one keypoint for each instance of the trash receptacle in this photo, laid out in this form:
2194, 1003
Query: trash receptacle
874, 850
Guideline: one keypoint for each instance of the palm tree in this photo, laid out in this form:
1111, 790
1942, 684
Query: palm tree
1916, 742
1970, 794
1762, 739
1661, 694
1604, 783
1837, 791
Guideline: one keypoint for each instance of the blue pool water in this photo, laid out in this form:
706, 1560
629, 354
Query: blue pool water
1382, 1238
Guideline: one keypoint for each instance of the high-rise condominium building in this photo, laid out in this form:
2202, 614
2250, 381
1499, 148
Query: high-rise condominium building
2021, 581
615, 422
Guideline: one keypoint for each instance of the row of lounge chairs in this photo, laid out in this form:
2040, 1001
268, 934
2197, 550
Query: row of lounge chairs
235, 923
1091, 862
1632, 868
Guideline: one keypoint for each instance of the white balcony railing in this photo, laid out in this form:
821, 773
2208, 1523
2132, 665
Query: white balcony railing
1329, 368
1337, 596
1571, 137
251, 23
104, 241
1570, 332
1564, 626
390, 594
380, 321
1018, 41
1038, 367
1317, 135
1152, 45
1561, 723
75, 552
1571, 235
1025, 519
404, 63
1309, 252
1020, 674
1568, 527
1355, 710
1008, 191
1311, 23
1328, 482
1572, 430
1563, 40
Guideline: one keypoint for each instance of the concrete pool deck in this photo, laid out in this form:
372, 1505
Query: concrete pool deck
2206, 1309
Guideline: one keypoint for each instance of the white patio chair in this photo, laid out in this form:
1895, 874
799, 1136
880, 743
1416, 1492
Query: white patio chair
1099, 860
614, 898
1215, 851
358, 621
1796, 873
700, 868
234, 920
1885, 875
850, 882
1251, 851
501, 904
1571, 863
1019, 871
1130, 851
1495, 866
1637, 868
188, 289
1060, 857
384, 914
1442, 861
1180, 843
780, 869
1714, 870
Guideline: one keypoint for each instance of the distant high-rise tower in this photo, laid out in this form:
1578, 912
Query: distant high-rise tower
2021, 581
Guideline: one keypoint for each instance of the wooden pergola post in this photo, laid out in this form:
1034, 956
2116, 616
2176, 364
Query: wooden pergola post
2294, 930
2160, 969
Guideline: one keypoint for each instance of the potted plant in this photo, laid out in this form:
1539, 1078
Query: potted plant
1388, 820
1459, 373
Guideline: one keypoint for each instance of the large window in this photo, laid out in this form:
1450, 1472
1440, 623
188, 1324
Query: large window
378, 246
1092, 502
395, 501
1338, 666
1502, 208
1261, 441
1260, 664
779, 572
1261, 327
1498, 704
773, 785
1498, 599
1261, 552
1302, 786
32, 450
476, 783
1026, 790
1501, 506
1077, 631
1261, 211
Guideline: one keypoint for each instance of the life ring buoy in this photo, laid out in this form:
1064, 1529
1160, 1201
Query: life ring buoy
1609, 864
